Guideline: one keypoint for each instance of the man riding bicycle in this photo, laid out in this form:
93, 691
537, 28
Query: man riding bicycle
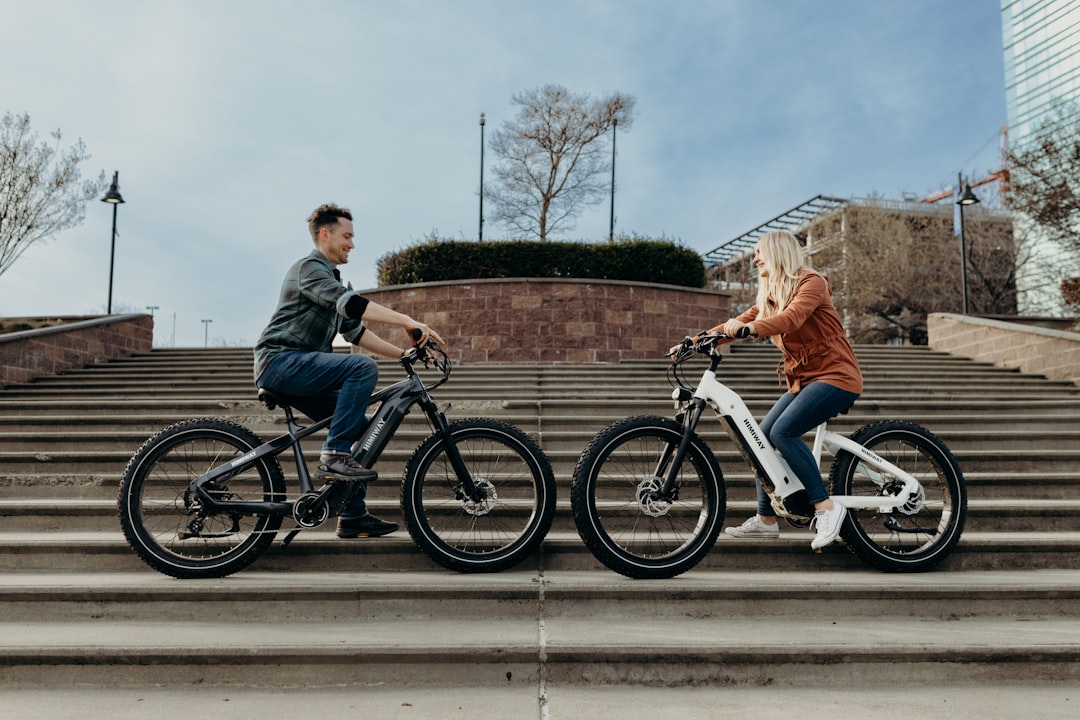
294, 356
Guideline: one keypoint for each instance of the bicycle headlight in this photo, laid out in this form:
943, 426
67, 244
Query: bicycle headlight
681, 395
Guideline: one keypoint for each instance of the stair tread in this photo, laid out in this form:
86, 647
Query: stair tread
498, 640
522, 582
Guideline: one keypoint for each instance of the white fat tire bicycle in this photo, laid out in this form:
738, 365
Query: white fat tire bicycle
648, 495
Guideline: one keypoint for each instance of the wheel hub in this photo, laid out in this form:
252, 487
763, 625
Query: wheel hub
649, 499
486, 503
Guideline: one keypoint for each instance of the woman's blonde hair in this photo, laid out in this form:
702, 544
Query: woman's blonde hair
783, 257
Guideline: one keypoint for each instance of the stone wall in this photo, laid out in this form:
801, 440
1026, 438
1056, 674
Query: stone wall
46, 351
544, 320
1036, 350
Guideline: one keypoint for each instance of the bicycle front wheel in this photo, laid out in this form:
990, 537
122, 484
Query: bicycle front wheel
924, 531
620, 512
491, 533
168, 530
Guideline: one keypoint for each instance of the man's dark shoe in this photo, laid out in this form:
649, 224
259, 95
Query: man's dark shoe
347, 467
367, 526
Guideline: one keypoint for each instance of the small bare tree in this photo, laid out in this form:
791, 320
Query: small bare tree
1045, 197
552, 158
41, 192
1044, 177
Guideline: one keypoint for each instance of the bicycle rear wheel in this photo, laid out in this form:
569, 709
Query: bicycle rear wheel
617, 511
923, 532
161, 522
497, 532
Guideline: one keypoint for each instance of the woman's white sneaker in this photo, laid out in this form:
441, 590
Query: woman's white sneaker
754, 528
828, 523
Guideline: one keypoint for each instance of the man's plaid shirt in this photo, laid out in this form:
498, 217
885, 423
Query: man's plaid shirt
310, 312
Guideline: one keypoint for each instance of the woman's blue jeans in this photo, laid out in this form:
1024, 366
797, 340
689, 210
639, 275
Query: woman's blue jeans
794, 415
323, 384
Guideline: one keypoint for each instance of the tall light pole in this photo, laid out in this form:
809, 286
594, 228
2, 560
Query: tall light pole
611, 227
113, 197
206, 332
480, 234
151, 308
966, 198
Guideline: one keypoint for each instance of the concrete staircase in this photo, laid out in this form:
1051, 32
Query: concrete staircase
79, 609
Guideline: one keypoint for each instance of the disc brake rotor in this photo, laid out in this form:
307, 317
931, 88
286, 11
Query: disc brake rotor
648, 497
485, 504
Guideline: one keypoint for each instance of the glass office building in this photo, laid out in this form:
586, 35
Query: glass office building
1042, 76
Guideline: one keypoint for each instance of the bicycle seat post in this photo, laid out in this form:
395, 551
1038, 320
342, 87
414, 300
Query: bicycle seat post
272, 402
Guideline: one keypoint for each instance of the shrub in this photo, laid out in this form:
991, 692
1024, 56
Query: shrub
631, 258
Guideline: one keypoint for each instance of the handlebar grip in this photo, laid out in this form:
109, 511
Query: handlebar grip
743, 332
416, 333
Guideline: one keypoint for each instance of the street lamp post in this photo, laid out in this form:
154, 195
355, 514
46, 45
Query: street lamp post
480, 234
206, 332
611, 226
113, 197
966, 198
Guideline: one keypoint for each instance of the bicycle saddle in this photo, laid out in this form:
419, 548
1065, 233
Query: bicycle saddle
270, 400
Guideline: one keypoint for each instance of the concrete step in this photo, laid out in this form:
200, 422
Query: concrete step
614, 406
995, 697
529, 416
104, 463
537, 627
567, 434
98, 513
562, 550
323, 596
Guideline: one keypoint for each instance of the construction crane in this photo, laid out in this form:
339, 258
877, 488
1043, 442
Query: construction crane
1000, 176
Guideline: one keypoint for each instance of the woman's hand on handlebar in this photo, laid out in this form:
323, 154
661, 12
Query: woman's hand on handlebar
734, 328
720, 334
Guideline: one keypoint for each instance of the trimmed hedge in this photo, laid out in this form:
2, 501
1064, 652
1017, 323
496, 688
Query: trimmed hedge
628, 258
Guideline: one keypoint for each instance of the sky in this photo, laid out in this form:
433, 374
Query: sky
229, 121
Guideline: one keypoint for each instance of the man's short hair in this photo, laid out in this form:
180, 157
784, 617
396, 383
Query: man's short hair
326, 215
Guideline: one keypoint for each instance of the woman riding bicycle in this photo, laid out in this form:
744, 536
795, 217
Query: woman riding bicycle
794, 310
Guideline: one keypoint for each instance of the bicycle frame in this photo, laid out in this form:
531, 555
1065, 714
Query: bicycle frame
394, 403
785, 490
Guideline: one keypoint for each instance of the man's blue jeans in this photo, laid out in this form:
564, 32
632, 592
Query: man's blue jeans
324, 384
794, 415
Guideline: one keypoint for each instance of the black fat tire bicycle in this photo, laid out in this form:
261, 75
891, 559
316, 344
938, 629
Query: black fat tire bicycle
206, 497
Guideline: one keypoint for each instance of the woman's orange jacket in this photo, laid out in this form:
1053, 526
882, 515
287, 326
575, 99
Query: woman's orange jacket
809, 333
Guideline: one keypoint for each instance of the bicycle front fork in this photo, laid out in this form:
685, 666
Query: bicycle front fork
469, 488
669, 463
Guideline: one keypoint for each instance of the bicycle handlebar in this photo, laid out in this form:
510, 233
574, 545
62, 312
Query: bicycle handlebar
704, 342
430, 354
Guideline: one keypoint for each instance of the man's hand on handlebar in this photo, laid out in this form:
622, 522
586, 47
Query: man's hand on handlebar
421, 333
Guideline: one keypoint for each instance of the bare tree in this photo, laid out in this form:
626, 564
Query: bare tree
1044, 178
552, 158
1045, 197
41, 192
890, 268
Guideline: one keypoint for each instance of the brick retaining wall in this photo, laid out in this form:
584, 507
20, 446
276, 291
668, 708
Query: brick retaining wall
550, 320
1036, 350
46, 351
